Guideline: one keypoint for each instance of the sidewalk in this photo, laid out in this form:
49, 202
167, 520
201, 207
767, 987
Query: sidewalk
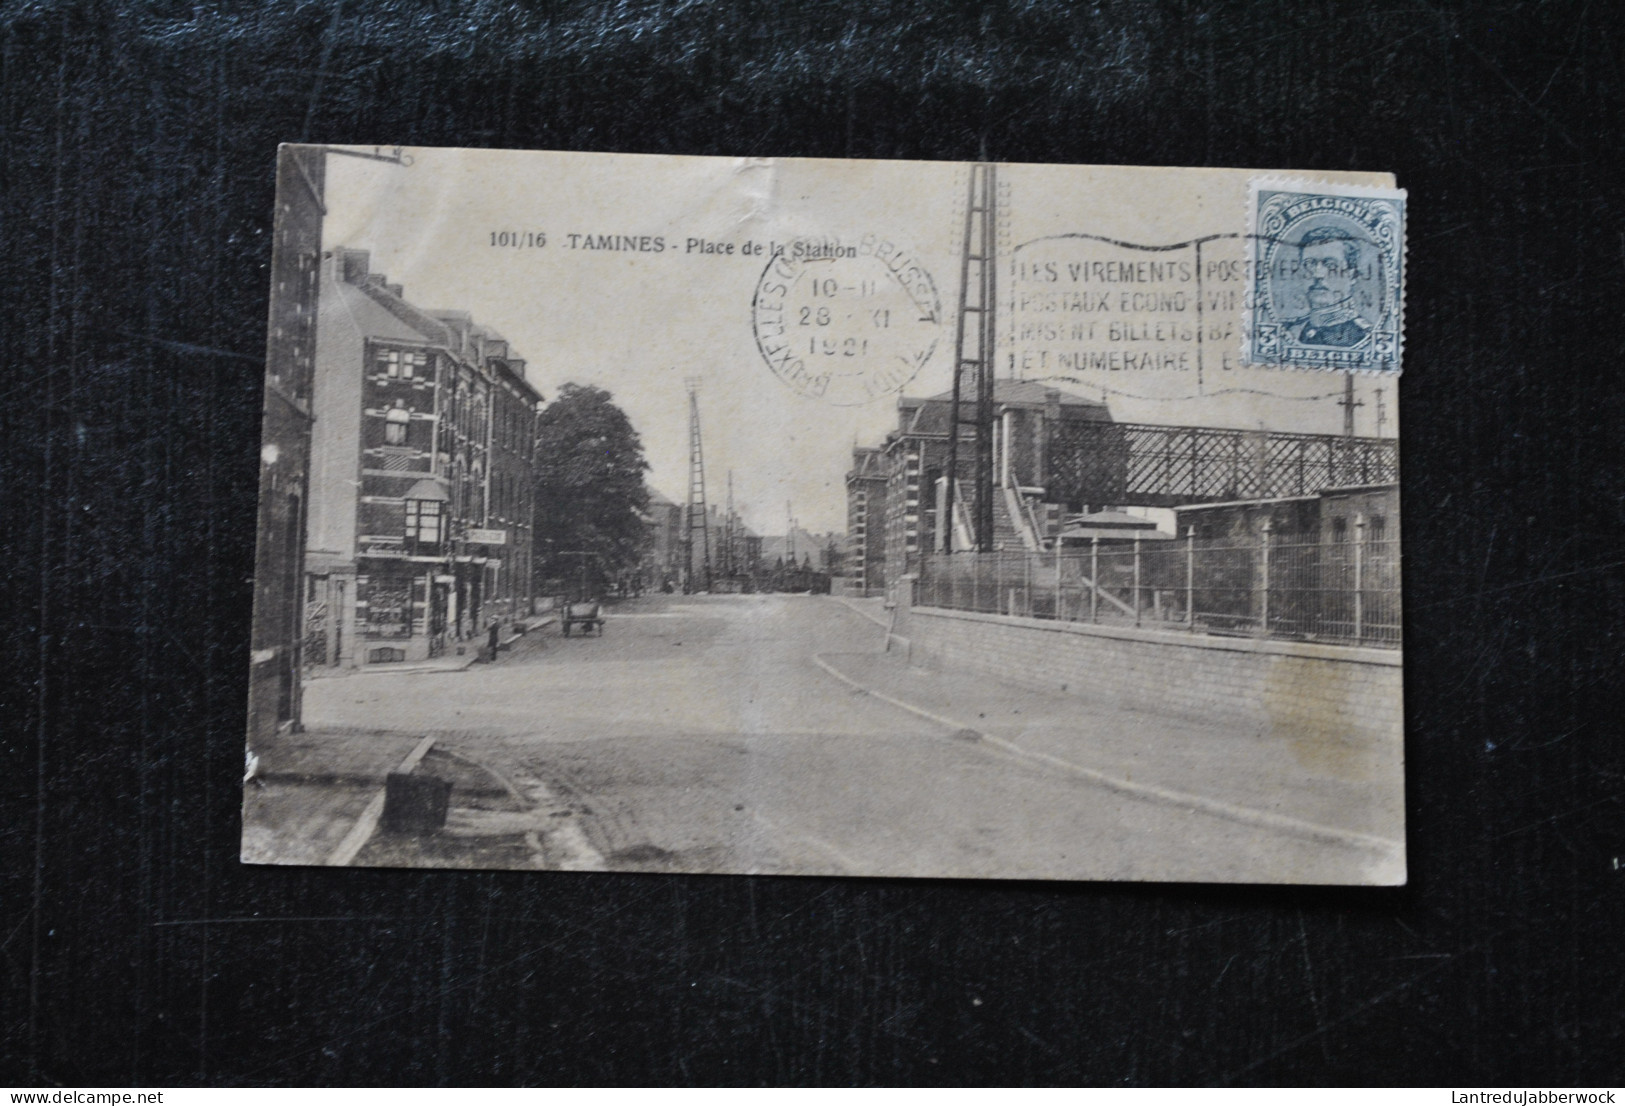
318, 795
450, 662
1246, 776
312, 789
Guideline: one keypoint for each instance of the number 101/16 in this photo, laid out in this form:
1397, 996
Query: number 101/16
519, 239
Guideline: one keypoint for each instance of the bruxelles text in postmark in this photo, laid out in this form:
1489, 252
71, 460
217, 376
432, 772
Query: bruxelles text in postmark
846, 322
1328, 273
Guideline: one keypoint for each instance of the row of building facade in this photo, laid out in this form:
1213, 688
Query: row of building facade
421, 519
396, 513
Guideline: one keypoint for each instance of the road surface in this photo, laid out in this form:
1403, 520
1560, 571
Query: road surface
699, 733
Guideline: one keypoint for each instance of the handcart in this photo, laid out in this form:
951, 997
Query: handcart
584, 615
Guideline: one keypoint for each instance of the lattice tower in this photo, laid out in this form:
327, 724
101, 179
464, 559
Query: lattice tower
973, 355
699, 574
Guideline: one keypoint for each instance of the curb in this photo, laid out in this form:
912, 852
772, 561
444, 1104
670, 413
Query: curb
859, 611
578, 855
364, 826
1151, 792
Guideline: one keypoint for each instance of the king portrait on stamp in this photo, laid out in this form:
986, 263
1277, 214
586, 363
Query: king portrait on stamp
1330, 258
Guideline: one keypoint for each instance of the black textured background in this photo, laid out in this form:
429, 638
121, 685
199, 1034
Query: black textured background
136, 149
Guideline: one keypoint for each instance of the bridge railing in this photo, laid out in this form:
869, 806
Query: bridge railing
1336, 592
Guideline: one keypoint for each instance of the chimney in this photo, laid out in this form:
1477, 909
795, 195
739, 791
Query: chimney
353, 265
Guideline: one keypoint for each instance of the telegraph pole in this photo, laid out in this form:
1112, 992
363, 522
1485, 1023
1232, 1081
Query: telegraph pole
728, 568
1348, 403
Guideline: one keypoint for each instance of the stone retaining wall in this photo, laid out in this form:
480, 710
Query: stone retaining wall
1307, 692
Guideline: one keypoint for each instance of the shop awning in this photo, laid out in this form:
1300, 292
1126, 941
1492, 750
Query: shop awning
428, 489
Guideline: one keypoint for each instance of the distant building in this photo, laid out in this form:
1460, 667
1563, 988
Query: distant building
421, 518
866, 521
1027, 417
663, 554
750, 551
807, 547
736, 552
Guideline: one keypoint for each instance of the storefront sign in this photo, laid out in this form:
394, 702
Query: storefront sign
487, 537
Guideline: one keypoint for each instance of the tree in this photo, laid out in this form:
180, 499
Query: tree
590, 495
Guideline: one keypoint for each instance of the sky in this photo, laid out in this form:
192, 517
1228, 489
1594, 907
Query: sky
642, 323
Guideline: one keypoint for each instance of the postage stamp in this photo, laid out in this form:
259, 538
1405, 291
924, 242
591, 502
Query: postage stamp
1328, 276
846, 323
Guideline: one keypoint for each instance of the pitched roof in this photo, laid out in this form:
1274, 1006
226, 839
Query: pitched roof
1026, 393
867, 464
929, 417
380, 309
1108, 525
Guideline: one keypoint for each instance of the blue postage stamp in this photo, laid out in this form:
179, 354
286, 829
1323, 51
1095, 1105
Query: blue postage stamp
1328, 276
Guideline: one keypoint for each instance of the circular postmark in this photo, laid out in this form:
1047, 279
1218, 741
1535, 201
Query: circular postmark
846, 323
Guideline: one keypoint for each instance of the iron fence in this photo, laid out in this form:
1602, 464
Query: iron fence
1341, 592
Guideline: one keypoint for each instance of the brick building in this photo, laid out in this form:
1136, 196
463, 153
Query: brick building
866, 521
421, 517
1026, 418
273, 693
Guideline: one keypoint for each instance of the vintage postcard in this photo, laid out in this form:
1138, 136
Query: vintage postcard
697, 514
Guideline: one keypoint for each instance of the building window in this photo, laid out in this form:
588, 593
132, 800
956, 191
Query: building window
1375, 531
423, 521
401, 364
395, 423
1340, 530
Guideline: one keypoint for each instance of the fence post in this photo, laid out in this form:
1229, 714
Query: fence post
1359, 578
1136, 581
1060, 612
1094, 579
1027, 584
1190, 578
1264, 557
